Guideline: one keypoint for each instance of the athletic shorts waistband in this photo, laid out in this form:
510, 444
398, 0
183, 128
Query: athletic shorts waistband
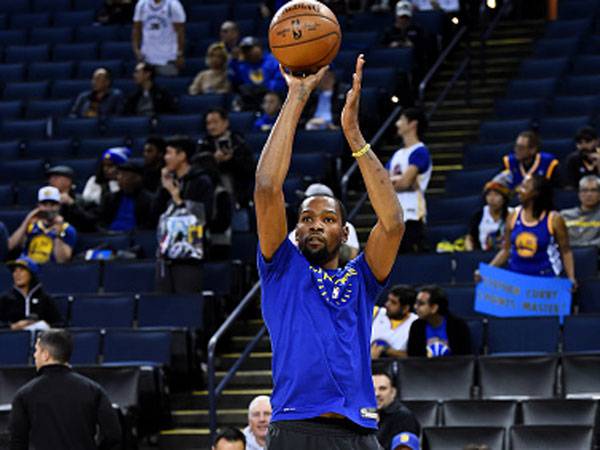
320, 425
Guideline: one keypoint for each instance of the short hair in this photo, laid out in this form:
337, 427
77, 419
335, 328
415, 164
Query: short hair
230, 434
220, 111
58, 342
383, 373
417, 114
589, 179
340, 205
405, 293
255, 400
183, 144
533, 138
149, 68
157, 142
437, 296
586, 134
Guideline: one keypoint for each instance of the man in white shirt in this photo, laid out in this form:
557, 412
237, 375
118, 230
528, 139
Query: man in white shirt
158, 35
391, 324
410, 171
259, 417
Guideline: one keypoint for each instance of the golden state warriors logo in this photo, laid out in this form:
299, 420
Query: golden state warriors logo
40, 248
526, 244
257, 76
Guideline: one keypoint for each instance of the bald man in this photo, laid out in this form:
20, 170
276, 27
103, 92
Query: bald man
102, 100
259, 417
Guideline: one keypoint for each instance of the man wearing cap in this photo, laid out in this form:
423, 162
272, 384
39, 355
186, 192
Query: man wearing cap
404, 32
44, 235
105, 179
405, 441
26, 303
585, 160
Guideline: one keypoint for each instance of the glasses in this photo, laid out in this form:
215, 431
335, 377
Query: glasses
587, 190
421, 303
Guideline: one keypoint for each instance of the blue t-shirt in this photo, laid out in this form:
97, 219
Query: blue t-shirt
436, 340
420, 158
265, 73
320, 326
125, 217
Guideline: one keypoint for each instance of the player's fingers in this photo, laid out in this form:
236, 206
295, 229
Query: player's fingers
360, 62
322, 71
284, 74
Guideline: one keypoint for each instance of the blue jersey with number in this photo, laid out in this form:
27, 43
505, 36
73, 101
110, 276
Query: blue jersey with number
320, 326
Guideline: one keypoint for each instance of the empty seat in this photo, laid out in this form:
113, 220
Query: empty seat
109, 241
74, 277
94, 147
586, 65
562, 127
16, 171
582, 333
399, 58
256, 141
75, 52
331, 142
15, 347
408, 269
218, 277
454, 438
39, 109
199, 104
73, 18
24, 129
102, 311
29, 20
12, 109
45, 71
581, 9
479, 413
122, 384
147, 242
188, 124
13, 37
543, 68
465, 182
528, 108
174, 85
559, 412
12, 379
426, 411
314, 165
97, 33
86, 347
476, 334
12, 218
10, 150
575, 105
137, 347
563, 28
445, 232
555, 47
444, 209
85, 69
116, 50
170, 311
484, 154
468, 262
51, 35
47, 149
461, 300
524, 437
25, 90
129, 277
69, 89
587, 296
580, 375
215, 14
26, 53
127, 126
12, 72
586, 259
243, 247
384, 79
51, 5
523, 334
502, 130
517, 376
581, 85
539, 88
76, 128
241, 122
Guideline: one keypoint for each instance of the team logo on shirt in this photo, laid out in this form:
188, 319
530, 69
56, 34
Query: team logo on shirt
334, 289
526, 244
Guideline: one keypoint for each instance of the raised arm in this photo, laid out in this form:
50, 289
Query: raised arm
384, 240
274, 164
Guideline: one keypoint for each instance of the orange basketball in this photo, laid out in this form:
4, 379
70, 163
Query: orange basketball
304, 35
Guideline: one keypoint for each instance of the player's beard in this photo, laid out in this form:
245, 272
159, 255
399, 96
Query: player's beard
321, 256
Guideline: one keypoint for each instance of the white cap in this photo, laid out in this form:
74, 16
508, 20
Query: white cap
318, 189
48, 194
404, 8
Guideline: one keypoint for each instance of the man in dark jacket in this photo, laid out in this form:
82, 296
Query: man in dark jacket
102, 100
394, 417
60, 409
26, 303
149, 99
437, 332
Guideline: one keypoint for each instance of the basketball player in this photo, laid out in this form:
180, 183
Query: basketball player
319, 314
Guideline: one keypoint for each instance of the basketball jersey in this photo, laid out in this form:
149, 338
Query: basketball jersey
159, 40
543, 164
413, 201
39, 244
393, 332
533, 249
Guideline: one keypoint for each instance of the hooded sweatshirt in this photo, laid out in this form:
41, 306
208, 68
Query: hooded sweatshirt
36, 305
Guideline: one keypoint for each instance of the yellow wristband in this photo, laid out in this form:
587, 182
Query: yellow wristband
363, 151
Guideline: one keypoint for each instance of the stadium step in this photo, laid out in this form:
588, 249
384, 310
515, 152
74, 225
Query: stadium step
183, 418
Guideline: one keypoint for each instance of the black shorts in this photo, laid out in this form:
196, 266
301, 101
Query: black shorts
320, 434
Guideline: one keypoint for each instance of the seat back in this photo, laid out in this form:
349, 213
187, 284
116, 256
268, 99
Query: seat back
15, 347
11, 380
134, 277
102, 311
580, 375
582, 333
120, 383
525, 437
475, 413
426, 411
523, 334
559, 412
137, 346
170, 311
454, 438
86, 346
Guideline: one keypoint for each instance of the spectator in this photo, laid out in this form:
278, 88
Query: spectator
406, 441
60, 409
394, 417
27, 302
105, 179
214, 79
259, 416
486, 229
585, 160
528, 160
536, 239
254, 73
583, 221
437, 332
324, 107
185, 201
229, 438
229, 34
391, 324
437, 5
154, 161
271, 105
149, 99
103, 100
44, 235
234, 158
3, 241
131, 207
158, 35
410, 170
116, 12
407, 34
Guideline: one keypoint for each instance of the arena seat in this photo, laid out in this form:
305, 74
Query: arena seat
26, 53
73, 18
444, 209
21, 170
27, 193
29, 20
218, 277
542, 68
399, 58
69, 89
564, 28
86, 346
445, 232
83, 168
431, 21
51, 35
7, 195
576, 9
12, 218
133, 277
586, 260
477, 334
524, 437
582, 333
484, 154
384, 79
560, 148
314, 165
523, 335
510, 108
470, 182
40, 109
188, 124
5, 276
10, 150
555, 47
11, 380
175, 85
13, 37
241, 122
586, 65
539, 88
243, 247
14, 7
452, 438
409, 269
580, 85
468, 262
25, 90
198, 30
479, 413
63, 304
113, 241
50, 5
199, 104
12, 109
562, 127
559, 412
180, 311
426, 411
256, 141
147, 241
564, 199
137, 347
580, 375
15, 347
587, 296
194, 65
502, 130
94, 147
81, 277
75, 52
102, 311
127, 126
95, 33
574, 105
331, 142
12, 72
216, 14
67, 127
116, 50
122, 384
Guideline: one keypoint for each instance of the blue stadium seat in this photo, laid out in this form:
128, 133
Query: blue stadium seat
558, 147
126, 85
112, 241
82, 5
543, 68
14, 7
217, 277
502, 130
256, 141
137, 347
86, 69
25, 90
73, 18
581, 85
586, 65
555, 47
170, 311
127, 126
564, 28
69, 89
575, 105
75, 52
461, 300
468, 262
371, 21
116, 50
523, 335
97, 33
10, 150
86, 347
27, 193
51, 5
23, 129
564, 199
12, 218
15, 347
135, 277
12, 109
346, 60
198, 48
84, 168
241, 122
175, 85
63, 304
314, 165
331, 142
469, 181
76, 128
147, 241
12, 72
193, 66
582, 333
576, 9
431, 21
381, 78
476, 330
445, 232
51, 35
408, 269
399, 58
540, 88
26, 53
587, 296
48, 150
460, 437
518, 109
74, 277
93, 148
188, 124
586, 262
249, 10
199, 104
13, 37
49, 71
38, 109
29, 20
563, 127
243, 247
102, 311
215, 14
359, 41
196, 30
444, 209
7, 195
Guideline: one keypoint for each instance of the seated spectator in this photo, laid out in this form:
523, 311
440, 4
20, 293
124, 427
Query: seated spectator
527, 159
234, 158
406, 33
406, 441
229, 438
105, 179
254, 73
583, 221
324, 107
154, 161
214, 79
103, 100
116, 12
391, 324
585, 160
394, 417
131, 207
158, 36
229, 35
149, 99
437, 332
185, 201
3, 241
410, 171
27, 303
259, 417
486, 229
271, 105
44, 236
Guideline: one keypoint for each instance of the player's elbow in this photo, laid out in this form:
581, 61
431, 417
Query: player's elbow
264, 188
394, 223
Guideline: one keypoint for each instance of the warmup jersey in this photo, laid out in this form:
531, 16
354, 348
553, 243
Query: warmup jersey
533, 250
544, 164
320, 326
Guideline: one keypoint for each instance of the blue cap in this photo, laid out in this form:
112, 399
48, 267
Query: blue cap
25, 262
118, 155
409, 440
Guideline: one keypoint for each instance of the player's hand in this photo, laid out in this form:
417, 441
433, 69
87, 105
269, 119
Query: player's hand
302, 86
349, 118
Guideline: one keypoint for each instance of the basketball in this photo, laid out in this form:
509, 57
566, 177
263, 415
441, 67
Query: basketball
304, 35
